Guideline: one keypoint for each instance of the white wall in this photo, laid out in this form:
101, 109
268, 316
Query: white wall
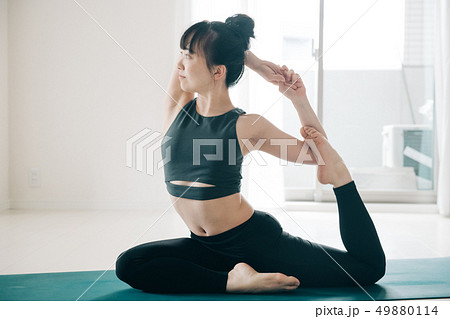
4, 152
75, 98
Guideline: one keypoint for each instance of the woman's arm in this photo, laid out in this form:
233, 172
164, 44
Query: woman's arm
264, 136
268, 70
175, 95
175, 99
295, 90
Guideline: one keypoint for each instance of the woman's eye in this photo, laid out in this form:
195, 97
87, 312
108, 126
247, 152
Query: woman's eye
186, 55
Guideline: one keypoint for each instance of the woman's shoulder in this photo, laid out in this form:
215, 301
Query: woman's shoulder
245, 125
254, 125
248, 117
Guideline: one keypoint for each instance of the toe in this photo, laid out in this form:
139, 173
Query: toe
303, 132
295, 281
310, 130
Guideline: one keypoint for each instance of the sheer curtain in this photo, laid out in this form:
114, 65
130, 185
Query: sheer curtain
442, 82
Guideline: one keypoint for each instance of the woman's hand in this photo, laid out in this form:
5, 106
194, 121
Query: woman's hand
268, 70
292, 86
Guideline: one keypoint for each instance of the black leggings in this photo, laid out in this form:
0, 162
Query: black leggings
201, 264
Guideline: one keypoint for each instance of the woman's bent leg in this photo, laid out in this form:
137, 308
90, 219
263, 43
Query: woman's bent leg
179, 265
358, 232
317, 265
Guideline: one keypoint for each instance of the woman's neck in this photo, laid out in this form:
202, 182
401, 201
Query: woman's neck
214, 103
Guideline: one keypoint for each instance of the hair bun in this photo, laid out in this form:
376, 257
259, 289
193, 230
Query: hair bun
244, 25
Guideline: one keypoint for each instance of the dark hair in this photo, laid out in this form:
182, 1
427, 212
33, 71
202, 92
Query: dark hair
221, 43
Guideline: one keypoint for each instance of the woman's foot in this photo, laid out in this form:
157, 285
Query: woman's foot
244, 279
334, 171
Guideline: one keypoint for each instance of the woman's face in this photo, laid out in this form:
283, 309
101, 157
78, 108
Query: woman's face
193, 73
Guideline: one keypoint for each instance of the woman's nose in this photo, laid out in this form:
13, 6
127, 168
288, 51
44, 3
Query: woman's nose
180, 64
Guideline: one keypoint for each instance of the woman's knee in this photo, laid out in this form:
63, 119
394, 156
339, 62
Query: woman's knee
127, 263
122, 266
375, 272
380, 270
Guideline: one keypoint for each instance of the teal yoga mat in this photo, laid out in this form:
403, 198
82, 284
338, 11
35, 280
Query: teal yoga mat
404, 279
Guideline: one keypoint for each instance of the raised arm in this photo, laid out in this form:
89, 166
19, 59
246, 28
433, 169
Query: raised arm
290, 84
268, 70
294, 89
175, 98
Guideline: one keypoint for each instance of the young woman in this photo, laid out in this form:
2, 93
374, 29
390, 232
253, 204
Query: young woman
233, 247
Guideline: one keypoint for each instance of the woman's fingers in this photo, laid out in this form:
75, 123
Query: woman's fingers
292, 80
293, 86
290, 75
277, 68
298, 81
295, 80
285, 87
272, 72
277, 77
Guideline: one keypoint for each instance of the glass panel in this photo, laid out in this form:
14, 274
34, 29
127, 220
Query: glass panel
379, 91
300, 34
287, 33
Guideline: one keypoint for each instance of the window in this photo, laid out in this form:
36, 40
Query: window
375, 97
378, 95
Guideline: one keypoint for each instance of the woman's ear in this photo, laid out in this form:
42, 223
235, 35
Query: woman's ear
220, 72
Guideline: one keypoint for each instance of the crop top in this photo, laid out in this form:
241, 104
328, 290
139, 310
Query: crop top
207, 152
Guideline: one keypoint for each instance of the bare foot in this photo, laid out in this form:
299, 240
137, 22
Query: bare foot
243, 278
334, 171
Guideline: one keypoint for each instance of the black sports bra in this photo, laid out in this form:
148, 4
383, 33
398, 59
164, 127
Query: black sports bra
207, 152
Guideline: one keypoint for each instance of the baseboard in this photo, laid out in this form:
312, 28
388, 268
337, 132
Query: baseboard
4, 205
369, 196
90, 205
371, 207
165, 204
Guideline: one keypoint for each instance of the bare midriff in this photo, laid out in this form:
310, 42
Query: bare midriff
213, 216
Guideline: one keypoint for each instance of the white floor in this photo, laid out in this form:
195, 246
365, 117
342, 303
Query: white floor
54, 241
